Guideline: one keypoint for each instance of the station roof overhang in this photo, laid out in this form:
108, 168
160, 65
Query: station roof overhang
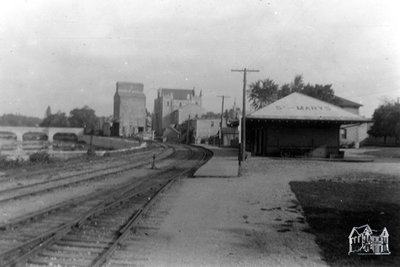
299, 108
303, 121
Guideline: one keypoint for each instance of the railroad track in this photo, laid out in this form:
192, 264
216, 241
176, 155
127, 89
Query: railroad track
74, 179
74, 167
98, 224
105, 176
79, 164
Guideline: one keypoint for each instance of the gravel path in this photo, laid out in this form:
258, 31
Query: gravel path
253, 220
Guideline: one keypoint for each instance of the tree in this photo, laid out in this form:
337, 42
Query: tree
83, 117
211, 115
18, 120
321, 92
55, 120
231, 114
297, 85
386, 121
48, 112
284, 91
263, 93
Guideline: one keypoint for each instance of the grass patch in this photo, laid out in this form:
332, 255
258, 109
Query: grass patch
333, 208
385, 152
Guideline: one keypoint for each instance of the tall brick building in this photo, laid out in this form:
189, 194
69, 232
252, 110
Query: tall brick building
129, 108
172, 106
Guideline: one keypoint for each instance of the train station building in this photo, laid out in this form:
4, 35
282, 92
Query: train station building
297, 125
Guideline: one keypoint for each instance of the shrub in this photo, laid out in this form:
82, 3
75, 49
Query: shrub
91, 151
40, 157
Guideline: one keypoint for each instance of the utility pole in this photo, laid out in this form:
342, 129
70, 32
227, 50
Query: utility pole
243, 130
222, 114
187, 131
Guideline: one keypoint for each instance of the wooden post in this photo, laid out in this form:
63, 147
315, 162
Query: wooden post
242, 150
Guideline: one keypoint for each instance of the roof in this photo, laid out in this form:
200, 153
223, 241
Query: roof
297, 106
229, 130
379, 232
173, 129
129, 86
345, 103
179, 94
361, 229
127, 89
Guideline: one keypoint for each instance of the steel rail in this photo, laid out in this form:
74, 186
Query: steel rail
21, 219
125, 230
116, 170
77, 162
31, 247
13, 255
5, 191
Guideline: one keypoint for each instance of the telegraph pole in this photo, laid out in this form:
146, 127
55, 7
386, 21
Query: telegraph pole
243, 132
187, 133
222, 114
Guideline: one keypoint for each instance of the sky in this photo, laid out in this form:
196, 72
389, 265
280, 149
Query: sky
70, 53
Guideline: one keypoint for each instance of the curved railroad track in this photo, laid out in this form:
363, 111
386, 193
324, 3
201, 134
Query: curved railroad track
85, 231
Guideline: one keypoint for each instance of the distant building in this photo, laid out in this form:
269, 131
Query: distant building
171, 134
182, 114
351, 134
183, 102
129, 109
205, 128
230, 136
104, 126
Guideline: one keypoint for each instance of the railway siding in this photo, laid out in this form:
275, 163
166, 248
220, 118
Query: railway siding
26, 245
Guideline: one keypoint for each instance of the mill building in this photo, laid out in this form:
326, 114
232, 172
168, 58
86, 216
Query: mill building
129, 109
173, 106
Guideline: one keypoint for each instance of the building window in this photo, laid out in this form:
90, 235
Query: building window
167, 103
212, 124
343, 133
180, 104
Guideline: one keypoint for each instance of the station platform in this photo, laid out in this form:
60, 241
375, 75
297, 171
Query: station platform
219, 219
224, 163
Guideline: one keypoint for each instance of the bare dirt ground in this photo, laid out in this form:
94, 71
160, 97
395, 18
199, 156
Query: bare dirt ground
256, 219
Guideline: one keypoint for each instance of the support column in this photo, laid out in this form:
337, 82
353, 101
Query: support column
20, 139
357, 141
20, 136
50, 136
